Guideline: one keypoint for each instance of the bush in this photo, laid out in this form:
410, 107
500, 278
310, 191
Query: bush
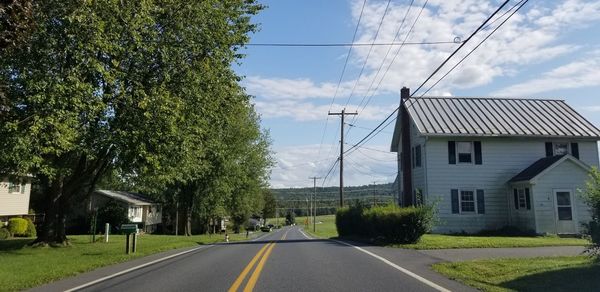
591, 194
17, 226
4, 233
30, 232
389, 223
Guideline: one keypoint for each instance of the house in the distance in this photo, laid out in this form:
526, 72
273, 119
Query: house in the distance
140, 209
493, 162
14, 197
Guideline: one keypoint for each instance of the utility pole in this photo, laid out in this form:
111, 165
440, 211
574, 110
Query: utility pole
314, 202
342, 114
375, 193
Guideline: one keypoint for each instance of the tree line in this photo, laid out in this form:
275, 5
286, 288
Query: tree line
137, 95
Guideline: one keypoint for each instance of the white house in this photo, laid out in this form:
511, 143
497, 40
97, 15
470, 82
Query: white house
140, 209
493, 162
14, 196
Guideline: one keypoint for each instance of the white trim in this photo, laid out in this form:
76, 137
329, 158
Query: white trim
573, 209
472, 152
460, 211
557, 163
399, 268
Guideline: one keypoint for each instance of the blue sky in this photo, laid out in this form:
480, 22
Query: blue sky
549, 49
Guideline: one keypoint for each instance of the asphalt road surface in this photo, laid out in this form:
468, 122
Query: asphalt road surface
284, 260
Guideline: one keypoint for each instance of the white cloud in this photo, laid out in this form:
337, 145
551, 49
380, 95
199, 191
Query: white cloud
295, 164
591, 108
305, 111
580, 73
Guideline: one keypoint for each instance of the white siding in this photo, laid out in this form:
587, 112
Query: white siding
566, 175
15, 203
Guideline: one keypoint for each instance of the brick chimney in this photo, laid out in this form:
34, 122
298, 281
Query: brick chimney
407, 184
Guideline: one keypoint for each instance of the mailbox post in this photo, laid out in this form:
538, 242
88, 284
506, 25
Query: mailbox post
129, 229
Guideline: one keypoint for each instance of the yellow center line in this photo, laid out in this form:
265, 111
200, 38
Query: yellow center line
247, 269
252, 281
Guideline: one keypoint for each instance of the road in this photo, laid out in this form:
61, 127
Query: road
285, 260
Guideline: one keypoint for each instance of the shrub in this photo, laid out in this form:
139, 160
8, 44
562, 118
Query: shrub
388, 223
4, 233
113, 213
17, 226
591, 194
30, 232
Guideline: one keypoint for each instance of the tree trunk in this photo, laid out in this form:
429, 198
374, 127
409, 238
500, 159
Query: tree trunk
188, 221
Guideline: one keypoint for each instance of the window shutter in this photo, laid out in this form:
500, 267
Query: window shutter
516, 193
412, 152
527, 199
549, 151
575, 150
480, 202
451, 152
455, 209
477, 146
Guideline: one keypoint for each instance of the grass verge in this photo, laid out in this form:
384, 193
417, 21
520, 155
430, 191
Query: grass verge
578, 273
325, 227
25, 267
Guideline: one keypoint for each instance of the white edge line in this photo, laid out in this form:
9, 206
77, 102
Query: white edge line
134, 268
88, 284
308, 237
401, 269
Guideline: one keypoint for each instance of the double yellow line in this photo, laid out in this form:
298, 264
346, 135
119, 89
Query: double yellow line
262, 256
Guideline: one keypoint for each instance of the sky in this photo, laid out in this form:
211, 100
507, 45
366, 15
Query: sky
548, 49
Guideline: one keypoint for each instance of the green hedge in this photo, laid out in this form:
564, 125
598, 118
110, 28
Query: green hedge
17, 226
4, 233
388, 223
31, 231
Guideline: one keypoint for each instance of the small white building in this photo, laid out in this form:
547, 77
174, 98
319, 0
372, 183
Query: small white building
493, 162
14, 196
140, 209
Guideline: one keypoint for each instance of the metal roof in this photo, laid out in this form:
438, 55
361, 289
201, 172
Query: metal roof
131, 198
543, 164
485, 116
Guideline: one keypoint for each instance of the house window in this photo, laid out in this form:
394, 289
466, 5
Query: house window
418, 156
14, 187
561, 148
522, 200
467, 202
23, 187
464, 152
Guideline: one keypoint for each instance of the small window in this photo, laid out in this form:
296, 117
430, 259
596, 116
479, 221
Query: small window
464, 152
14, 187
561, 148
418, 156
522, 199
467, 202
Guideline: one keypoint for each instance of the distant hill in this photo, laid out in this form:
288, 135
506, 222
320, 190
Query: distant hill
328, 198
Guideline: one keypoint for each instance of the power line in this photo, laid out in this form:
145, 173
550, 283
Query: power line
428, 78
521, 3
349, 44
341, 76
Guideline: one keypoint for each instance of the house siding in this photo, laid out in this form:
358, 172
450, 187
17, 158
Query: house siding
17, 203
502, 159
566, 175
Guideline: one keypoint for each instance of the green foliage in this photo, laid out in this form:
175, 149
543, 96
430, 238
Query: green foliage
389, 223
4, 233
270, 204
31, 231
290, 218
17, 226
113, 213
591, 194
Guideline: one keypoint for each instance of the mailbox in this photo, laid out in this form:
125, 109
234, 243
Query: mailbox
130, 230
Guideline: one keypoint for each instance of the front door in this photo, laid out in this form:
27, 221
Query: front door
565, 222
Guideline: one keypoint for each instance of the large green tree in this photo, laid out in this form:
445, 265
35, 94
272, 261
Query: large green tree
132, 86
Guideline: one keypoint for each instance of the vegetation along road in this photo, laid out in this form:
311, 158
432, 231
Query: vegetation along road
284, 260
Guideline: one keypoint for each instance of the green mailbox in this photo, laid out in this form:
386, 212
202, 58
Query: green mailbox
130, 230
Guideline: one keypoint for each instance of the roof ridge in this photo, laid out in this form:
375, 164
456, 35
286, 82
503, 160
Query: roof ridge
488, 98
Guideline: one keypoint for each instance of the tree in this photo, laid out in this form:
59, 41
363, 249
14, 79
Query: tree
290, 218
591, 195
122, 85
270, 204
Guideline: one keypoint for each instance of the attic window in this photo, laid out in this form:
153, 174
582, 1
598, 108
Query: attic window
561, 148
465, 152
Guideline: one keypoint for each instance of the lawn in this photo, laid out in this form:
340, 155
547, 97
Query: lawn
438, 241
325, 227
538, 274
25, 267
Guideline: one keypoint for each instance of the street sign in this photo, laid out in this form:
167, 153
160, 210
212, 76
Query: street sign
129, 228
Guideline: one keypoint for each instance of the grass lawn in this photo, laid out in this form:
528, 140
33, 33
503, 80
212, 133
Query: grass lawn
537, 274
325, 227
438, 241
24, 267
